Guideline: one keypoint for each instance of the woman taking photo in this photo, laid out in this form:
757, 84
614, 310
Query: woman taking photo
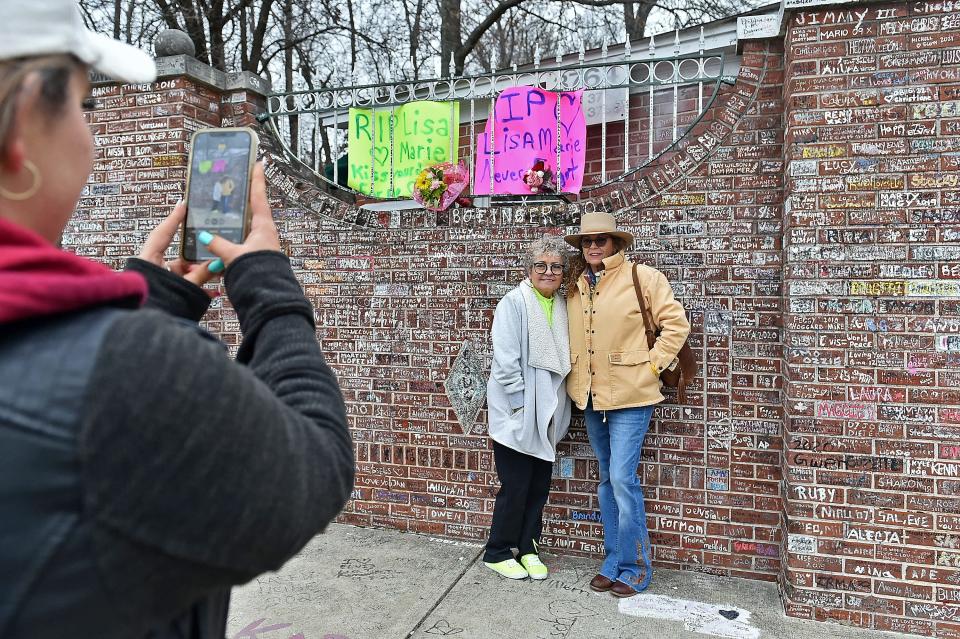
615, 379
142, 471
527, 405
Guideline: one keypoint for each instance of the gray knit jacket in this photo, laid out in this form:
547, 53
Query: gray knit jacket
144, 472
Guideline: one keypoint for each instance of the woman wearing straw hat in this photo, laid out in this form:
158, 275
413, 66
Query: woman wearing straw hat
615, 379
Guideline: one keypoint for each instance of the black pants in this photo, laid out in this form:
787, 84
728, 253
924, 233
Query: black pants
518, 511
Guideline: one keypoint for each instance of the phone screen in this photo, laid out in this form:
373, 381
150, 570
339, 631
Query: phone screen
218, 189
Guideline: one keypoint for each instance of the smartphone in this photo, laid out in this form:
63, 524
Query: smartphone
218, 188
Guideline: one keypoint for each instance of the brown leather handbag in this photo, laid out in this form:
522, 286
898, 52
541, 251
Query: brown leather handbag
685, 369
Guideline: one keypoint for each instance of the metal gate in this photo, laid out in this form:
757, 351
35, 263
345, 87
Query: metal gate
681, 87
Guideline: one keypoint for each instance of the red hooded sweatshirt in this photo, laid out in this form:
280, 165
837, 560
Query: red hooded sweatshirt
37, 279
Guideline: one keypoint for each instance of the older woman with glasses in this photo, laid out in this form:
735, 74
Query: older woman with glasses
528, 408
615, 379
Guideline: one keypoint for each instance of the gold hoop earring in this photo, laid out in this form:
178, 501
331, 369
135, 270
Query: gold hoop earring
31, 191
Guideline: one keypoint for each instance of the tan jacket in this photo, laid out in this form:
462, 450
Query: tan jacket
609, 357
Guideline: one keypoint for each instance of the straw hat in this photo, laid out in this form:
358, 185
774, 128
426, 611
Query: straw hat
596, 224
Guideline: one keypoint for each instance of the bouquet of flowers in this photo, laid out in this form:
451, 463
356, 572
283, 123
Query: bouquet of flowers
539, 178
439, 185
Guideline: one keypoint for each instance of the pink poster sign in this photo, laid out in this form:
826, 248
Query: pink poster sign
525, 132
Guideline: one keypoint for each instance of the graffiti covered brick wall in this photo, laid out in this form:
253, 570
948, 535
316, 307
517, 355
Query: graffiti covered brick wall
872, 314
809, 223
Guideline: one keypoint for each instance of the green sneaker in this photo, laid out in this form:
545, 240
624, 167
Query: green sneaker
509, 568
534, 566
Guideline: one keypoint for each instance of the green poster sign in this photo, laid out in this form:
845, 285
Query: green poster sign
421, 137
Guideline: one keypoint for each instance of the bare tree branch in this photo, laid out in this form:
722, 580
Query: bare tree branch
471, 41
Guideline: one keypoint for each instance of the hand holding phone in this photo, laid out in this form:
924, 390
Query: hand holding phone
159, 240
218, 188
263, 234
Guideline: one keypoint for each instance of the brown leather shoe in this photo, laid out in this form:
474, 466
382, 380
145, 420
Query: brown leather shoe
620, 589
600, 584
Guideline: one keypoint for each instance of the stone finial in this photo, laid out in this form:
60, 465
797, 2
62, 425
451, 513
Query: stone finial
173, 42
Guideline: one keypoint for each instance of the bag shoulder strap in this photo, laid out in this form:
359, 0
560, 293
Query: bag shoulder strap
648, 325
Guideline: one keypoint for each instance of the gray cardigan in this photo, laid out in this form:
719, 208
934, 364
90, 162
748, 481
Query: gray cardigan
530, 363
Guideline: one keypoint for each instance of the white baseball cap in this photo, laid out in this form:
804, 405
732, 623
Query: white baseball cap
50, 27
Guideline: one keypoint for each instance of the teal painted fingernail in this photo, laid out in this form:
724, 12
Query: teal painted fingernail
204, 238
215, 266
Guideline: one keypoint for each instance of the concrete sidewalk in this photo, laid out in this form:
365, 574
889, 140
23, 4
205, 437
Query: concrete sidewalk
359, 583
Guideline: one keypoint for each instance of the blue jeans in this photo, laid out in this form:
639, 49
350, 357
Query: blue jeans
617, 443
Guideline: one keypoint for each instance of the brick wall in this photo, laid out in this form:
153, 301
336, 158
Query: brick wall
872, 317
808, 224
398, 295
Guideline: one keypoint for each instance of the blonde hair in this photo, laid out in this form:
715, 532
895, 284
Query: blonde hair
54, 73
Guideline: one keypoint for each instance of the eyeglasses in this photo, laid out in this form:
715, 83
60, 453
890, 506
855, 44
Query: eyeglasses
541, 268
600, 241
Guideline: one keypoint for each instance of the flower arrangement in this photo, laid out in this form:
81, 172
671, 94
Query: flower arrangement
539, 178
439, 185
430, 186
